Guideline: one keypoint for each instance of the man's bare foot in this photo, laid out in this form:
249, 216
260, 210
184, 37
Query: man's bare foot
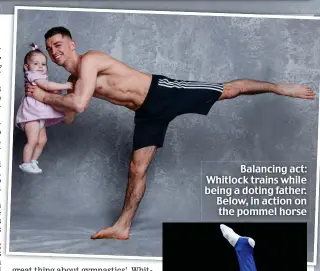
295, 91
111, 233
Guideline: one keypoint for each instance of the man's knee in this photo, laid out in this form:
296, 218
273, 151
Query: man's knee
138, 169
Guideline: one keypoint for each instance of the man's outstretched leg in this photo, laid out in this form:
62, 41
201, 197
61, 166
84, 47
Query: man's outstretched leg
235, 88
139, 164
243, 247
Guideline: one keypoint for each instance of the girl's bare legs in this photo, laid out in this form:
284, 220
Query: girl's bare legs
32, 131
42, 141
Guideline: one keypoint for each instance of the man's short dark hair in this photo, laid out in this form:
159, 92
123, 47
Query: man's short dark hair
57, 30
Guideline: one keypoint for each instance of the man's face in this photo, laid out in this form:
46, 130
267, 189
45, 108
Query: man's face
60, 48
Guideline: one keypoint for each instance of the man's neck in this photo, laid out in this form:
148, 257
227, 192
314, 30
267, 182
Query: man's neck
71, 65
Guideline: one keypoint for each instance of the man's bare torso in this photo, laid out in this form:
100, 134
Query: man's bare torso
118, 83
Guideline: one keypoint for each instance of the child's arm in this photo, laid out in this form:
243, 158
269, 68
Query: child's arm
52, 86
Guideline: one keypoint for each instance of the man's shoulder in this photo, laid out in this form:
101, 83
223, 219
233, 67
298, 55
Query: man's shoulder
96, 60
93, 54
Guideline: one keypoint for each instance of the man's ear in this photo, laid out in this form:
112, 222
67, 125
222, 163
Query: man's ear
25, 67
73, 45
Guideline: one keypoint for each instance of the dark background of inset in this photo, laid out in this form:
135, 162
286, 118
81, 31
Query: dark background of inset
85, 164
192, 246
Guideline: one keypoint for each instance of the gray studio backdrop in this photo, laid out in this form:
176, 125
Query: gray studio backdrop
239, 6
86, 164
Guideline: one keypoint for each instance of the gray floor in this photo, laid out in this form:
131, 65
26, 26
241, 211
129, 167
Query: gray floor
72, 236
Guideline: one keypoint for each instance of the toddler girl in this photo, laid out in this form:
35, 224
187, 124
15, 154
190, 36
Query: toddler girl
33, 116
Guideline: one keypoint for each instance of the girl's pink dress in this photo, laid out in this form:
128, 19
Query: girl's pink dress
30, 109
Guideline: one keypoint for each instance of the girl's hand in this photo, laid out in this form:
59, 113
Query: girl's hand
69, 85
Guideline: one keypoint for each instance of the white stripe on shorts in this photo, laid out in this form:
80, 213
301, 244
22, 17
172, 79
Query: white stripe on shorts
190, 84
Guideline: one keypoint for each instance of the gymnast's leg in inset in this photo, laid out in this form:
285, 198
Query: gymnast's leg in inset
243, 247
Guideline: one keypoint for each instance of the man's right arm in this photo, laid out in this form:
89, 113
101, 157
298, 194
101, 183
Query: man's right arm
91, 64
84, 87
70, 115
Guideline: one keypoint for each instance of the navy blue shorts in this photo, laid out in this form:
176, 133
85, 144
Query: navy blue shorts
166, 99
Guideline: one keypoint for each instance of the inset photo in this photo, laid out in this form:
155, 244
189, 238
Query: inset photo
235, 246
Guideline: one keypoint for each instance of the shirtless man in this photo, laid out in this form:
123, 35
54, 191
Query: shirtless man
155, 99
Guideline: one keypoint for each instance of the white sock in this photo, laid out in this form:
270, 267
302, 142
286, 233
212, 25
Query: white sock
233, 237
229, 234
